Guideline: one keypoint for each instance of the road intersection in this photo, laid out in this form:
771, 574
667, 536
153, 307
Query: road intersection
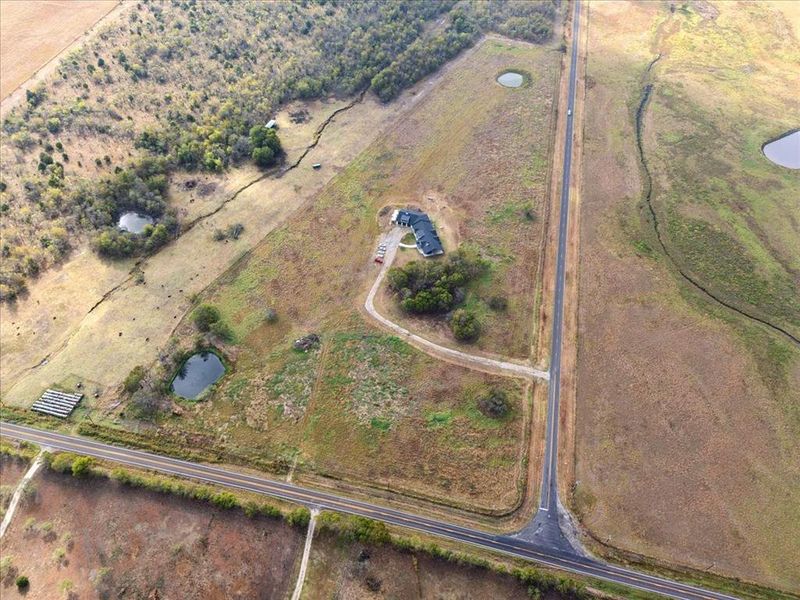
315, 499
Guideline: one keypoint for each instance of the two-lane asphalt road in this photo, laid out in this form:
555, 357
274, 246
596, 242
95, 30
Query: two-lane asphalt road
549, 489
545, 527
322, 500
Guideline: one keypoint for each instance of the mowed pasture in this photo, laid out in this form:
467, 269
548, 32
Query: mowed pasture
32, 33
687, 421
95, 538
365, 406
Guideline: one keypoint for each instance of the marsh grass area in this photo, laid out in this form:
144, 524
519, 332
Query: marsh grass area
692, 401
730, 216
364, 405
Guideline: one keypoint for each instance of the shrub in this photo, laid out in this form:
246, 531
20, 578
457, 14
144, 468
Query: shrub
465, 326
224, 500
6, 566
62, 462
204, 316
234, 231
498, 303
22, 582
368, 530
299, 517
494, 404
271, 315
264, 157
145, 403
134, 379
81, 466
222, 330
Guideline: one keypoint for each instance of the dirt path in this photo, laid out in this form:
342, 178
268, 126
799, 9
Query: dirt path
480, 363
301, 577
12, 507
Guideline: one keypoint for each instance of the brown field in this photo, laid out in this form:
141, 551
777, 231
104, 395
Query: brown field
33, 33
89, 539
687, 420
353, 571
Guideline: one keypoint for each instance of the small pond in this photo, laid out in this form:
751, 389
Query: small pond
511, 79
135, 222
197, 374
785, 151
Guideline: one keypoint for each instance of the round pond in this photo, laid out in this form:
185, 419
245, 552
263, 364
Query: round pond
197, 374
133, 221
785, 151
511, 79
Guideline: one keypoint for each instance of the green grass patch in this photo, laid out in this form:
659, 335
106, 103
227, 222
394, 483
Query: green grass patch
438, 419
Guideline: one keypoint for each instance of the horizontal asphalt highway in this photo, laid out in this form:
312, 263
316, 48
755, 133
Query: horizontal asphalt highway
325, 501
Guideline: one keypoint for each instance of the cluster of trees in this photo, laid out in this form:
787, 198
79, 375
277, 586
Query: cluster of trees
519, 19
438, 287
531, 21
191, 90
208, 319
425, 55
141, 187
266, 146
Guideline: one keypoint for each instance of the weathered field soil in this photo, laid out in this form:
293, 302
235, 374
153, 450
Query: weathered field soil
687, 421
354, 571
96, 539
32, 33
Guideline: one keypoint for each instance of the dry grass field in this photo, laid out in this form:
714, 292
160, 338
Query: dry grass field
11, 471
75, 538
32, 33
687, 420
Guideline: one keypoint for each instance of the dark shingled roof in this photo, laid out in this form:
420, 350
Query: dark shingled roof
428, 242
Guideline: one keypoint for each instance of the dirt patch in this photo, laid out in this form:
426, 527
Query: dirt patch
684, 410
98, 539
